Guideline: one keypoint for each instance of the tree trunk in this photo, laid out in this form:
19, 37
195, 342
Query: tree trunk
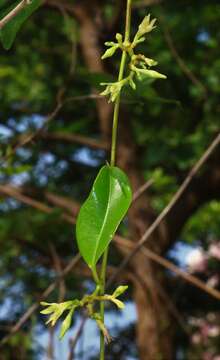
154, 335
154, 329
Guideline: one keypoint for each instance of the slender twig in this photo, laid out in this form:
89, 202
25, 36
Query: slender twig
215, 143
170, 266
123, 241
74, 340
76, 139
142, 189
43, 296
58, 267
57, 200
27, 138
16, 194
112, 163
50, 346
14, 12
83, 140
83, 98
182, 64
183, 274
7, 190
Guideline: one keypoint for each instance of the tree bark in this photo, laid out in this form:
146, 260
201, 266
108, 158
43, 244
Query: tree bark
154, 330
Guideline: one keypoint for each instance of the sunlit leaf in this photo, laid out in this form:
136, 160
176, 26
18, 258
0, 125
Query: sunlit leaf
102, 213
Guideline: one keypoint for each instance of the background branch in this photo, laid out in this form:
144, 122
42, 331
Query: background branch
171, 204
14, 12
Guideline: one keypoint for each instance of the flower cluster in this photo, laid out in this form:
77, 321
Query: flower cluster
139, 66
56, 310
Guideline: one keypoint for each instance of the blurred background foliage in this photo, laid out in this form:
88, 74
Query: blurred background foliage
173, 122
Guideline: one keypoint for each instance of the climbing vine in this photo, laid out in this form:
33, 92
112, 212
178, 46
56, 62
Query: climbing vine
111, 194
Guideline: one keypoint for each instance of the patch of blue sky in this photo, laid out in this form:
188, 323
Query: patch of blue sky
5, 308
5, 132
9, 204
8, 308
42, 167
19, 179
115, 321
180, 252
27, 122
48, 167
87, 157
23, 153
38, 120
89, 341
203, 36
46, 159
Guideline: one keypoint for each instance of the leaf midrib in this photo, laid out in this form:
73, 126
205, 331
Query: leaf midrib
103, 224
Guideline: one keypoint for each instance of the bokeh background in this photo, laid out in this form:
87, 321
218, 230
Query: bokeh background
55, 135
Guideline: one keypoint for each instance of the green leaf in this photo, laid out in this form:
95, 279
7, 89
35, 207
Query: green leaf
110, 52
132, 83
146, 26
56, 310
153, 74
9, 31
102, 212
50, 309
119, 38
142, 73
66, 324
119, 291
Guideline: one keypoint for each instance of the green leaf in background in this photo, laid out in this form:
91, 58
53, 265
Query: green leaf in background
102, 212
9, 31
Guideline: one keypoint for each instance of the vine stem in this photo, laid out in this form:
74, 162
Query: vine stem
112, 163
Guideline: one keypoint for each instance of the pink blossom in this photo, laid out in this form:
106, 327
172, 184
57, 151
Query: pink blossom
205, 330
196, 338
197, 260
214, 250
214, 331
208, 355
